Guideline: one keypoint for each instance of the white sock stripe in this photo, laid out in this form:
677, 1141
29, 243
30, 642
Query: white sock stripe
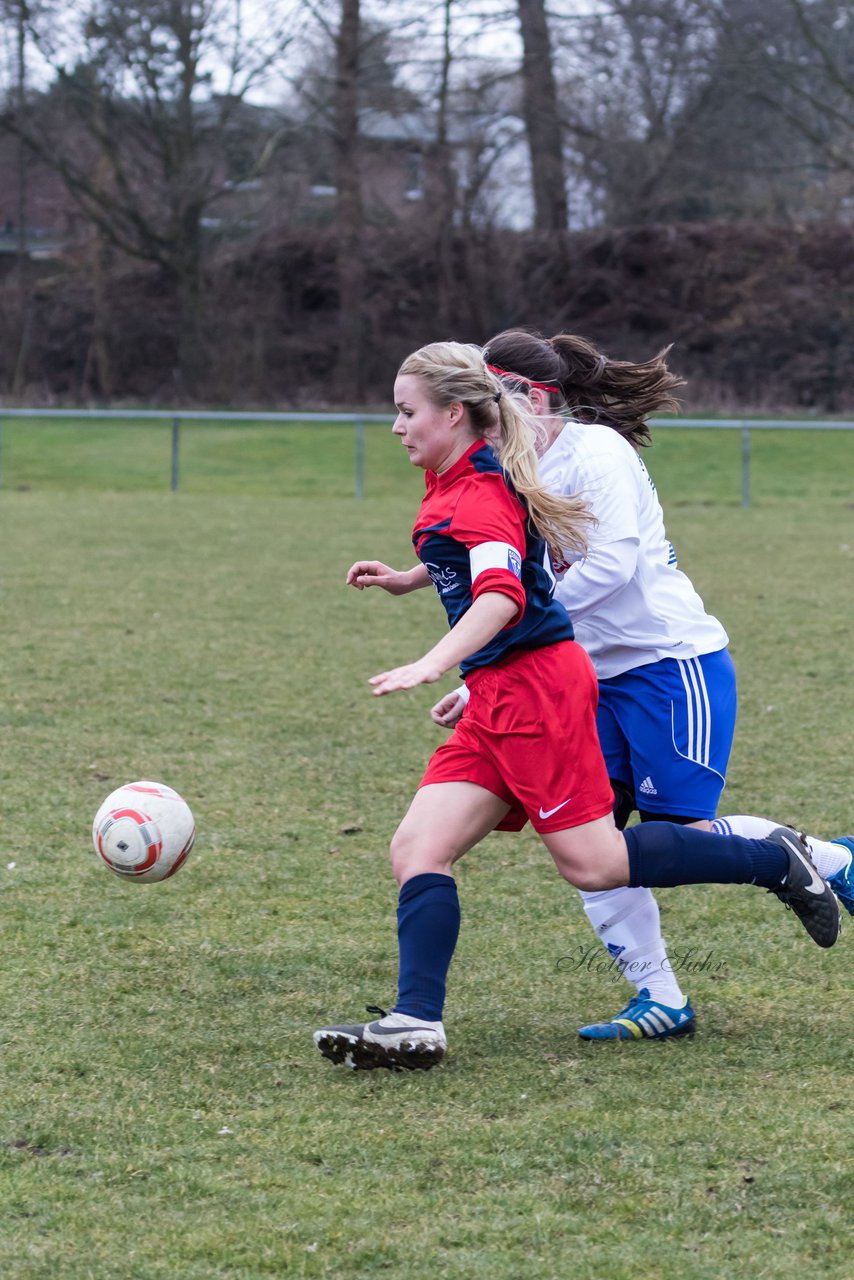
618, 918
629, 910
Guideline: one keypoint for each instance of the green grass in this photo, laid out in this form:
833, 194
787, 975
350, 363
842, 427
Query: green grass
163, 1111
690, 465
294, 459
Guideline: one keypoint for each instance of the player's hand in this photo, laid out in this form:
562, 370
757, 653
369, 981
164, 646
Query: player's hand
414, 673
373, 573
448, 710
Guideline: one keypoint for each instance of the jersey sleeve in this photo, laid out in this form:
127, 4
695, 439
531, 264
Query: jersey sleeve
592, 582
490, 521
607, 481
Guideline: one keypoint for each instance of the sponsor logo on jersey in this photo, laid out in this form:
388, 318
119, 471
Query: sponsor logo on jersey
443, 579
647, 787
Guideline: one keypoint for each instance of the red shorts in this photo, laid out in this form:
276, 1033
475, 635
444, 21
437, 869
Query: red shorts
529, 736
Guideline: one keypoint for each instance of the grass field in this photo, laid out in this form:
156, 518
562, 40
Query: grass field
164, 1113
298, 460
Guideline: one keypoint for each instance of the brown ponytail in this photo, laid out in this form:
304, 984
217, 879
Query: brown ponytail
593, 388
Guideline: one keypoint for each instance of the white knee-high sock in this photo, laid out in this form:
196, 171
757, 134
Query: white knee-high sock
628, 924
828, 857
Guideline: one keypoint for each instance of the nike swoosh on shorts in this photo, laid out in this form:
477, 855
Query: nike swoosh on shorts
547, 813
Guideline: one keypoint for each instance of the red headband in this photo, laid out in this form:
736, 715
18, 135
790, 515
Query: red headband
519, 377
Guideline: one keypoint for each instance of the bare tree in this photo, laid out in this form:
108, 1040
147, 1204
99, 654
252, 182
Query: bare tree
542, 118
806, 63
350, 216
15, 14
442, 181
135, 129
351, 80
638, 87
707, 109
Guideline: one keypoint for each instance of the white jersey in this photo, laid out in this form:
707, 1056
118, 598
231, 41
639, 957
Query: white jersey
629, 603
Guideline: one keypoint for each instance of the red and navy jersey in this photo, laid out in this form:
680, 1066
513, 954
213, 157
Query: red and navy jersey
472, 535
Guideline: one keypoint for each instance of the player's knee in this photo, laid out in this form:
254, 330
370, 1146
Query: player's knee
590, 874
400, 853
411, 855
587, 879
593, 879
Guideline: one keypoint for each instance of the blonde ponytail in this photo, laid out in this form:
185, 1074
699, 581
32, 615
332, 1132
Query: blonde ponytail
562, 521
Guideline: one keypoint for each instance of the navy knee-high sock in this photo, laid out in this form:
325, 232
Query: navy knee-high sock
662, 854
428, 923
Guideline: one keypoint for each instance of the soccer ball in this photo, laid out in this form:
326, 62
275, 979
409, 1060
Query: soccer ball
143, 831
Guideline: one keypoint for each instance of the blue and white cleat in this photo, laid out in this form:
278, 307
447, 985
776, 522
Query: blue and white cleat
842, 883
644, 1019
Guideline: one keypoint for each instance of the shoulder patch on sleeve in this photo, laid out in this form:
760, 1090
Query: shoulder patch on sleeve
495, 555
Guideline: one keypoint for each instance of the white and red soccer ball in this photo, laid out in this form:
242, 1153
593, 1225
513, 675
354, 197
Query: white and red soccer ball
143, 831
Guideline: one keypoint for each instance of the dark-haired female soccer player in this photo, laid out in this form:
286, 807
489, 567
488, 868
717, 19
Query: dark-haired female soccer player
667, 688
527, 748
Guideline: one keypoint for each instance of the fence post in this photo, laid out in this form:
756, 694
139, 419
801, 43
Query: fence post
745, 466
360, 458
176, 446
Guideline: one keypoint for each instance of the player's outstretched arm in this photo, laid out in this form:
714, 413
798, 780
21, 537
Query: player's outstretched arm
488, 614
373, 573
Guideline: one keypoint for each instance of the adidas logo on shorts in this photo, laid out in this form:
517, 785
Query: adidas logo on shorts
647, 787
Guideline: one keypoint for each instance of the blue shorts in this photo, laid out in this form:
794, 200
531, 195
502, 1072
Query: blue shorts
666, 731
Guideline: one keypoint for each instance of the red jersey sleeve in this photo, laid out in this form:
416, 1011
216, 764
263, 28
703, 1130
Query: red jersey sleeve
490, 521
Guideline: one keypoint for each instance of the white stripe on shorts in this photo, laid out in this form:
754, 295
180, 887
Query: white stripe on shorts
697, 710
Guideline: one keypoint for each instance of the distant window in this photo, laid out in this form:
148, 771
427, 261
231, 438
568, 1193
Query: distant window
324, 190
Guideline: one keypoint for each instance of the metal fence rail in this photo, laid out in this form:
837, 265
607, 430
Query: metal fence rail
359, 420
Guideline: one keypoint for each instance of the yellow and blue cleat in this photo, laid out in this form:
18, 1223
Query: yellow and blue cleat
644, 1019
842, 883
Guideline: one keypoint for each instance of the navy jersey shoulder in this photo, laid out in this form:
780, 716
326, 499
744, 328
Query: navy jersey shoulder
472, 504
